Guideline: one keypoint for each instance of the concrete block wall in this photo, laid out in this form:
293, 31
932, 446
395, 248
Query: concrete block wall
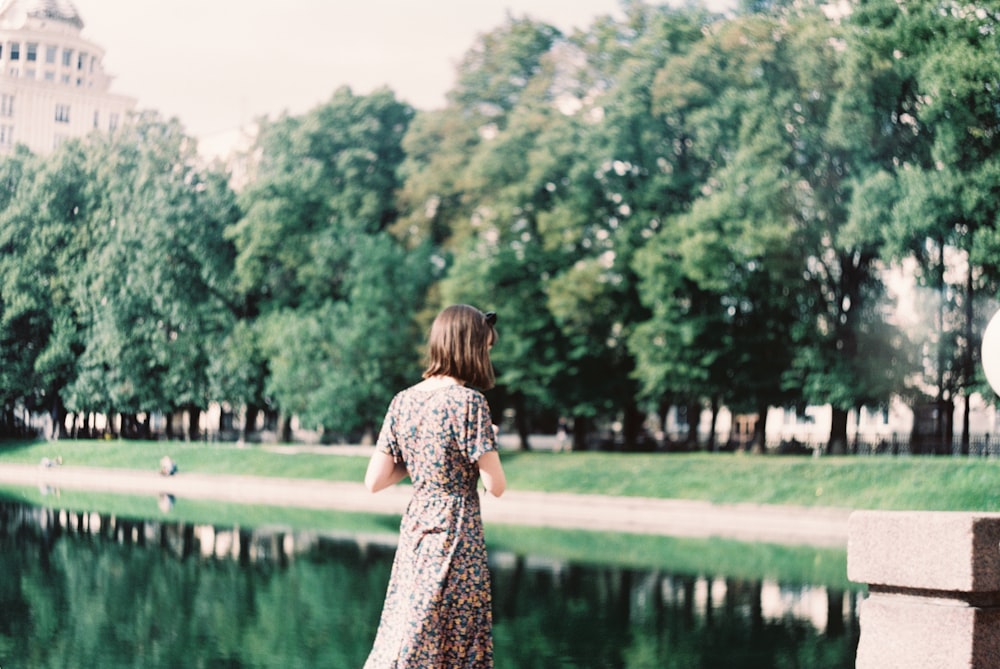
934, 589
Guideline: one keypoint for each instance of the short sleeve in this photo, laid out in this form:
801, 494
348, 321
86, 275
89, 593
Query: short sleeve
388, 441
480, 438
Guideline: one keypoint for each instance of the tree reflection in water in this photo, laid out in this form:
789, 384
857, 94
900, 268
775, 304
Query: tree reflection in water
90, 590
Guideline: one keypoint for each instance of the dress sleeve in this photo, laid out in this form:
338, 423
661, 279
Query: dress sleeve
479, 435
388, 441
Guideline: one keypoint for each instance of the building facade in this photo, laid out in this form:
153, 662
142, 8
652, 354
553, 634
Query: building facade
52, 80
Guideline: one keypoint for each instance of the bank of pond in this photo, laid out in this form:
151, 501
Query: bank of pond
84, 586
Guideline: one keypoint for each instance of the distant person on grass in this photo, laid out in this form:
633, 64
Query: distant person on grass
439, 432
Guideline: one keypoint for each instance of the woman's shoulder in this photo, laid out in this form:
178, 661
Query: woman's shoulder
454, 392
451, 393
470, 396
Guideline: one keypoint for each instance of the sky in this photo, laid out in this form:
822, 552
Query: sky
220, 64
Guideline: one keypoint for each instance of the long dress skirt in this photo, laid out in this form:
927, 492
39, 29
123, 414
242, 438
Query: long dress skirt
437, 611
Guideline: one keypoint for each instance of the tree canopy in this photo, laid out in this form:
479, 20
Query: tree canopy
674, 208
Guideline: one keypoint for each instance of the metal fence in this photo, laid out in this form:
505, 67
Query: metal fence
980, 445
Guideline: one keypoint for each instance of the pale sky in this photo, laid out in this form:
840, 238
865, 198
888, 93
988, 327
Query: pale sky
220, 64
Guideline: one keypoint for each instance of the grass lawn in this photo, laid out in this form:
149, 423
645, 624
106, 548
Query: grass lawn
916, 483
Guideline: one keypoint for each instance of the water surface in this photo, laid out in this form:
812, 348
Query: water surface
93, 590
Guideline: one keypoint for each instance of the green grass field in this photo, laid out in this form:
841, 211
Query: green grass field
915, 483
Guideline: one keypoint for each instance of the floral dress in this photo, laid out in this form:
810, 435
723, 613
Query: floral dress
437, 611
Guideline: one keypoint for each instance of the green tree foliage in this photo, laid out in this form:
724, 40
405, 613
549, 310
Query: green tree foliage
336, 367
845, 303
668, 209
558, 191
930, 101
155, 294
332, 296
488, 200
724, 276
324, 180
45, 240
621, 187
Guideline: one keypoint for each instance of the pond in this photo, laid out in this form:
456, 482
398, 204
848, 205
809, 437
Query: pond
95, 590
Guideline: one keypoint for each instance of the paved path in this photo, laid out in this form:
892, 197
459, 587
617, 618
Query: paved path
746, 522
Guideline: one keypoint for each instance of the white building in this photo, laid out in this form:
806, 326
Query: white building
52, 81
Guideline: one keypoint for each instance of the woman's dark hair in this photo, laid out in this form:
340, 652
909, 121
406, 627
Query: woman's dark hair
459, 346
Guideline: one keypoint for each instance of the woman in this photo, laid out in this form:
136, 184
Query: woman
437, 612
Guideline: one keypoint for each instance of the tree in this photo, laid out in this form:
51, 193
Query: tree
931, 107
844, 308
483, 191
324, 180
15, 175
331, 298
631, 173
723, 278
156, 293
338, 366
564, 187
45, 236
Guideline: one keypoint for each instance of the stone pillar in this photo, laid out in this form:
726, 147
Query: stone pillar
934, 589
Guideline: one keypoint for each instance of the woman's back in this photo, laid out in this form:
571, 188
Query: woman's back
440, 433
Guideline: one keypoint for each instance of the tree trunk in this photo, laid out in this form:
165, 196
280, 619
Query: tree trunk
837, 445
9, 423
286, 430
759, 443
632, 420
967, 359
272, 420
250, 421
58, 415
580, 429
966, 410
521, 422
194, 419
948, 427
693, 418
939, 430
664, 413
713, 442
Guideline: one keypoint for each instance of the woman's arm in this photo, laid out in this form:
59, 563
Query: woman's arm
383, 472
491, 471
